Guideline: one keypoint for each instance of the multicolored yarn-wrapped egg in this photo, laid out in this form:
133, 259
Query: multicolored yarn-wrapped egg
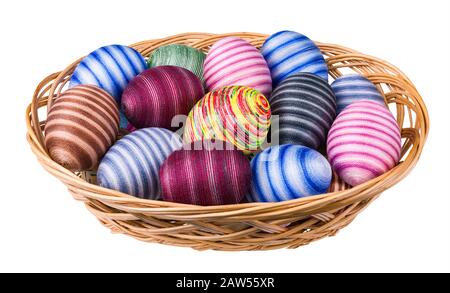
236, 114
179, 55
205, 176
351, 88
288, 52
158, 94
234, 61
306, 108
110, 68
81, 125
132, 164
286, 172
364, 142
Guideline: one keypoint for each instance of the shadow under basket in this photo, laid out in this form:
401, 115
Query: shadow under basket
247, 226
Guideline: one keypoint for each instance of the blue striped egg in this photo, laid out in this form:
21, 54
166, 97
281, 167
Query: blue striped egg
132, 164
110, 68
288, 52
352, 88
286, 172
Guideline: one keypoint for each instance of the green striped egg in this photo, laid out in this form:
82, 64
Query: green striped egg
179, 55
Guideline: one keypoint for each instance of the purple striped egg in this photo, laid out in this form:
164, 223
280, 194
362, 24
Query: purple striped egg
205, 175
234, 61
364, 142
155, 96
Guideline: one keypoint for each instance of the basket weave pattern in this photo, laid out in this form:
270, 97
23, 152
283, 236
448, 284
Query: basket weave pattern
249, 226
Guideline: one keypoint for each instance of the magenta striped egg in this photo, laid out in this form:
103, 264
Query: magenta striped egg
206, 174
363, 142
234, 61
155, 96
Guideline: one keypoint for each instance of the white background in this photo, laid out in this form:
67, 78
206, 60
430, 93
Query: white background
43, 229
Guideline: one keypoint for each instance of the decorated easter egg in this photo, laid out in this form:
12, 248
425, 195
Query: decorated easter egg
205, 176
81, 125
179, 55
351, 88
110, 68
236, 114
364, 142
155, 96
288, 52
132, 164
234, 61
304, 108
286, 172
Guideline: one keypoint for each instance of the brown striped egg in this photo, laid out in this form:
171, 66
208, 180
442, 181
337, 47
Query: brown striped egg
81, 125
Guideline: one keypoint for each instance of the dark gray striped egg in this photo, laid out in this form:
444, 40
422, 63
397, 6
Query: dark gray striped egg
303, 109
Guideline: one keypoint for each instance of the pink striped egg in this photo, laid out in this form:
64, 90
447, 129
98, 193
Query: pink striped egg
363, 142
234, 61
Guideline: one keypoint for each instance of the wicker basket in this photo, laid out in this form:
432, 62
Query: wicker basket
249, 226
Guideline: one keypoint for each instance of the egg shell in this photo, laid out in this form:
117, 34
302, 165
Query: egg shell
156, 95
132, 164
110, 68
234, 61
81, 125
179, 55
352, 88
285, 172
364, 142
288, 52
205, 176
306, 107
235, 114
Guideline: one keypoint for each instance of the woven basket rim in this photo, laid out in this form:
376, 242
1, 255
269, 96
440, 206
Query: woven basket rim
338, 57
